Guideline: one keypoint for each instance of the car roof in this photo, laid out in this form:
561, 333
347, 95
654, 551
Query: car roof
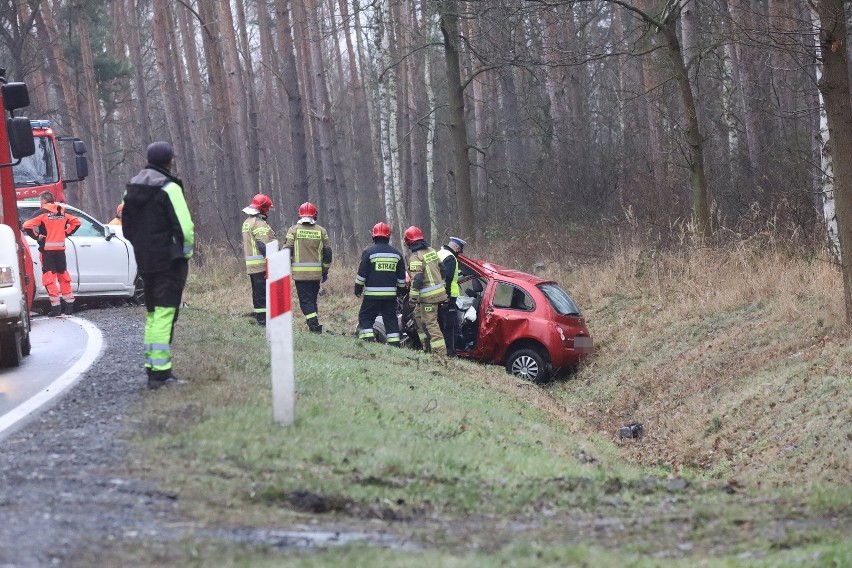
491, 269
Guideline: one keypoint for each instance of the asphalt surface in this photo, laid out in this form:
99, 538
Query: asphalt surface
58, 344
60, 486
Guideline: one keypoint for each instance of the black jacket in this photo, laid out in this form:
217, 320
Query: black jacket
156, 220
381, 271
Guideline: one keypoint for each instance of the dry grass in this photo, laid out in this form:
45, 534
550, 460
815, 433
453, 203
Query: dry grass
735, 358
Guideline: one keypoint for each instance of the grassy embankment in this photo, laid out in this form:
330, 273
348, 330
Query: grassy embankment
736, 360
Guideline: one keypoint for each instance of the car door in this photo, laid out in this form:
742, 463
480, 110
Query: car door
504, 319
103, 265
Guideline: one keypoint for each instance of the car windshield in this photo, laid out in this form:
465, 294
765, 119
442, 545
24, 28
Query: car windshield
559, 299
38, 169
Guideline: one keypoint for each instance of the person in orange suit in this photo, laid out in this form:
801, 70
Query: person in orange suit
50, 225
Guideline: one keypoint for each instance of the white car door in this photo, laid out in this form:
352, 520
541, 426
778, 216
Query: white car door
103, 265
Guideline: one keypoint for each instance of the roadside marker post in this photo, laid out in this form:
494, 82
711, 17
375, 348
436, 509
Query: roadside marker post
279, 330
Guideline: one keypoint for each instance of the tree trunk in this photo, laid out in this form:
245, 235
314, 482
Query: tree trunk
834, 86
201, 176
368, 195
457, 126
94, 122
250, 88
225, 142
271, 171
290, 85
388, 120
143, 118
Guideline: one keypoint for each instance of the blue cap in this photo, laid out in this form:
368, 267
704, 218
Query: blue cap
458, 242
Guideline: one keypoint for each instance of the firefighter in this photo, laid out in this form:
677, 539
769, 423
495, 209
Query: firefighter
381, 278
49, 226
428, 289
310, 253
157, 222
256, 234
448, 315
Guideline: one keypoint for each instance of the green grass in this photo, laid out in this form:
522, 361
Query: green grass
739, 467
373, 425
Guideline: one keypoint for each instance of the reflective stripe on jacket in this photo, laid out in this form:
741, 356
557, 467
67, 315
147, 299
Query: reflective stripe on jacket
427, 286
256, 234
310, 251
450, 271
381, 271
53, 224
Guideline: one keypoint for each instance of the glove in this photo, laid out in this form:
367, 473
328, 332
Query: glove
324, 278
358, 290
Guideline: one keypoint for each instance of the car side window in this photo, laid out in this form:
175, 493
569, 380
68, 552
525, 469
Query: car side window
88, 227
511, 297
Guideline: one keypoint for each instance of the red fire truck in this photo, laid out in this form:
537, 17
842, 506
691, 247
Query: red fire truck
17, 284
42, 171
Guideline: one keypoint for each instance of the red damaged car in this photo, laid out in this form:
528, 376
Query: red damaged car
526, 323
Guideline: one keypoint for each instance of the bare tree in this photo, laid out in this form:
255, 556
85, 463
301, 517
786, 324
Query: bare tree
834, 86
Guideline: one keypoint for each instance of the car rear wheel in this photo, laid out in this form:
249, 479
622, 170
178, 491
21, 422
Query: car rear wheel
528, 364
138, 297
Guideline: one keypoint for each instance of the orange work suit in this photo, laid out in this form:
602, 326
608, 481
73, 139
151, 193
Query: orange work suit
49, 226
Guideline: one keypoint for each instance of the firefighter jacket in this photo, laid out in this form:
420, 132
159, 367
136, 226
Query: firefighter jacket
50, 225
450, 271
381, 272
310, 251
256, 234
427, 286
156, 219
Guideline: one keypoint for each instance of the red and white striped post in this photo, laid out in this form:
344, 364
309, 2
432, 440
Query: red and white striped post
279, 333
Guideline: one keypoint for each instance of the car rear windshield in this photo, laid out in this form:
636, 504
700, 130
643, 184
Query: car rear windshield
559, 299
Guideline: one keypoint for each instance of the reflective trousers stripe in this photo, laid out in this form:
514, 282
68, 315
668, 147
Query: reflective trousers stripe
158, 337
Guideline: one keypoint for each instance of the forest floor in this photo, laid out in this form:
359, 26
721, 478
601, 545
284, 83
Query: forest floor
744, 464
71, 495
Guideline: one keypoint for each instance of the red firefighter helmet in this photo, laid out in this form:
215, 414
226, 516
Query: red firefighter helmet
308, 209
261, 202
413, 234
381, 229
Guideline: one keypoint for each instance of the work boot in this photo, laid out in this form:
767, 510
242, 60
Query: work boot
314, 325
55, 311
68, 308
261, 319
157, 379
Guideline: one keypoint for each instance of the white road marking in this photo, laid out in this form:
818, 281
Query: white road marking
28, 408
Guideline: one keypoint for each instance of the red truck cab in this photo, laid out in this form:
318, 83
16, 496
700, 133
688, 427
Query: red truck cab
42, 171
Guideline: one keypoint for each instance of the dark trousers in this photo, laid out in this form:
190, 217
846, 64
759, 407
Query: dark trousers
307, 291
258, 296
372, 306
448, 319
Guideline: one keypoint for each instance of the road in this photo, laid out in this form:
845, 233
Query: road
62, 349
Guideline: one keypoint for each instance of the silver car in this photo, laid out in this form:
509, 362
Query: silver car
100, 260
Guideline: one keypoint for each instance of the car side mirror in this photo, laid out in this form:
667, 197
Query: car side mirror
109, 232
15, 96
